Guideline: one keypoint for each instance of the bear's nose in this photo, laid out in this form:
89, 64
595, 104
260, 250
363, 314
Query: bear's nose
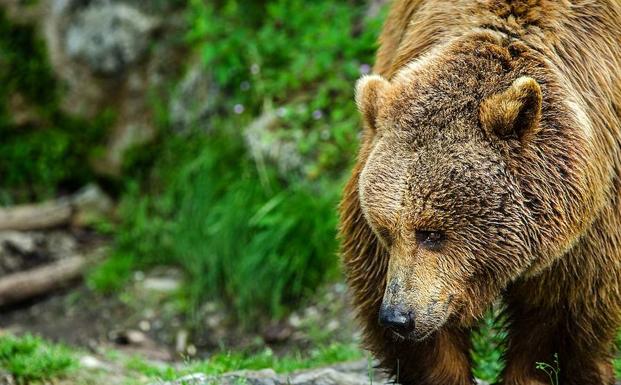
396, 318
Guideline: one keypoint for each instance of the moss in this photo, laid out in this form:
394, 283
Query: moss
29, 358
50, 151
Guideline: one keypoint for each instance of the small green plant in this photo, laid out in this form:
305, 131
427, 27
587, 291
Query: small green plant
552, 371
29, 358
488, 345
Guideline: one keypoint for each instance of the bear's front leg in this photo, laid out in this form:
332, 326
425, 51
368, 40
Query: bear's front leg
576, 347
441, 359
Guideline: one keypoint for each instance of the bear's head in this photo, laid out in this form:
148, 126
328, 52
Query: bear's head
447, 186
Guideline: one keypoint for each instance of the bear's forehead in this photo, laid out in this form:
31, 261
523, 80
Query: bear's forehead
449, 85
436, 177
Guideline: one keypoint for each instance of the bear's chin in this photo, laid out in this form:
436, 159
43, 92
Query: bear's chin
414, 335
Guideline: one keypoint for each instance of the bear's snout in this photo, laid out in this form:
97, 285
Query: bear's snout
397, 318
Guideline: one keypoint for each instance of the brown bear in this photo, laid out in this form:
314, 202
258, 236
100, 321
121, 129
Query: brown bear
490, 168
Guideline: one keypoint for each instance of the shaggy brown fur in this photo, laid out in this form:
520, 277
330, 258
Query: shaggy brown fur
494, 125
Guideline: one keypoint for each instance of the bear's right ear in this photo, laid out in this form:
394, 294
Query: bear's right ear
369, 96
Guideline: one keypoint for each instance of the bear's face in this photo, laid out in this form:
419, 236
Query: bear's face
436, 191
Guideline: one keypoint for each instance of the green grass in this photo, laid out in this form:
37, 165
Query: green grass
227, 362
251, 240
244, 233
302, 57
30, 359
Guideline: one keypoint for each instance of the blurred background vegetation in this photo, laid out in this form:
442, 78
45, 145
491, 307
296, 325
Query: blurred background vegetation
242, 197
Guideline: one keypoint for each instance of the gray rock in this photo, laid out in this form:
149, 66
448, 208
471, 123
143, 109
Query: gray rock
109, 36
192, 379
266, 142
193, 100
261, 377
350, 373
329, 376
6, 378
355, 373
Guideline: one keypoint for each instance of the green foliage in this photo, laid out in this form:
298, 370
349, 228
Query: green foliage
29, 358
259, 245
36, 159
300, 56
244, 233
552, 371
488, 345
226, 362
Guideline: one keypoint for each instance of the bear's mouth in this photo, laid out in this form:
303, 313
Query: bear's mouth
412, 336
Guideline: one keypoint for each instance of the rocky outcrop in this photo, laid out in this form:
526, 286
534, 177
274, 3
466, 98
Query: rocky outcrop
109, 37
110, 55
352, 373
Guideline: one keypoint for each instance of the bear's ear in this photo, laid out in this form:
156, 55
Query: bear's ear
369, 96
515, 112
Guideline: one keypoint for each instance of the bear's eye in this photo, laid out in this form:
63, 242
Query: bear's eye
430, 238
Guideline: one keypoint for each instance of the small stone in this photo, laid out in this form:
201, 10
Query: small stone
332, 325
144, 325
295, 320
130, 337
191, 350
91, 362
161, 284
181, 341
311, 313
213, 321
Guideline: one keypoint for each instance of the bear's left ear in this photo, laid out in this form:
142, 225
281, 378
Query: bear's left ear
515, 112
369, 96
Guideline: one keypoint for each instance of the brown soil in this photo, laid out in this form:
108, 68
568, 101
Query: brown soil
147, 318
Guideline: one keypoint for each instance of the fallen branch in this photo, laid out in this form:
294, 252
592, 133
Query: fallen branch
36, 216
41, 280
57, 212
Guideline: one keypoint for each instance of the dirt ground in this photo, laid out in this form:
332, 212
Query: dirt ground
148, 317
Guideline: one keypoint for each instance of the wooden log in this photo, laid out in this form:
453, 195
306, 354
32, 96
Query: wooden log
41, 280
36, 216
54, 213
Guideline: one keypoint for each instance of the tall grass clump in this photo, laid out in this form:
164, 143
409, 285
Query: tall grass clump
258, 242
